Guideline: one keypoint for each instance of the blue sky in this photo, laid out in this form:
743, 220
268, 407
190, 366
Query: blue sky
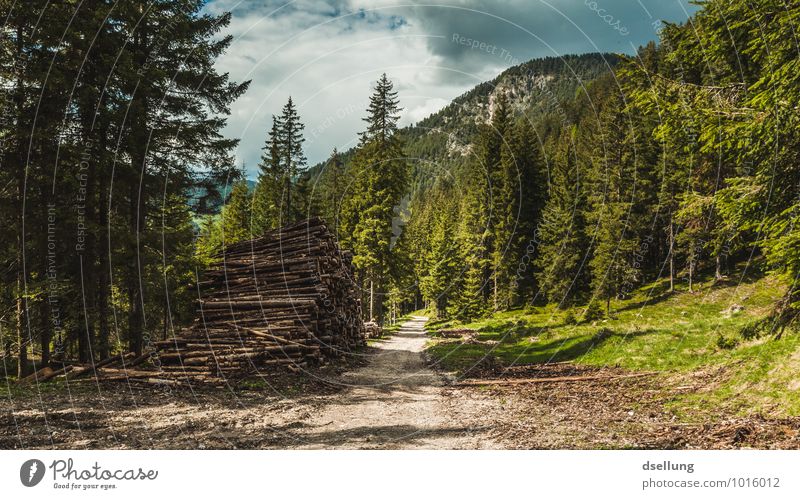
326, 54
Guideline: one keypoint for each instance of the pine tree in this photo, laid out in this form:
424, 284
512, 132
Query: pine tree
440, 262
236, 214
268, 195
614, 185
499, 161
173, 83
292, 160
472, 237
380, 179
332, 186
282, 168
232, 225
528, 206
562, 244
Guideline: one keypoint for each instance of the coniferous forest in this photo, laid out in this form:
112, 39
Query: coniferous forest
570, 210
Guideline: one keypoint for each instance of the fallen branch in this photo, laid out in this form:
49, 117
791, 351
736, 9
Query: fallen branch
559, 379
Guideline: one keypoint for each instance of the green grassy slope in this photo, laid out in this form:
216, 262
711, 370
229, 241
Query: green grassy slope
679, 334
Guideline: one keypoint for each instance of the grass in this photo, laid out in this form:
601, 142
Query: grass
11, 390
678, 334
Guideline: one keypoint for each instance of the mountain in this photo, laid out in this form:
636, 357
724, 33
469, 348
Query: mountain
535, 89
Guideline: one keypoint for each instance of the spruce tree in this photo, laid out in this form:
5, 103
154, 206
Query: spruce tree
472, 237
612, 176
441, 257
268, 195
562, 243
292, 160
332, 186
500, 163
236, 214
380, 177
527, 207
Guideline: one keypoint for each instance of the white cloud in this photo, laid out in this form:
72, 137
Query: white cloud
327, 54
421, 111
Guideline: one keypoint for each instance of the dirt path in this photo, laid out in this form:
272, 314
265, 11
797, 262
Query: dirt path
391, 400
396, 402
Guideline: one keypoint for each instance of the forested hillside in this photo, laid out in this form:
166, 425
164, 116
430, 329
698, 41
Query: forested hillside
588, 251
536, 90
569, 181
678, 163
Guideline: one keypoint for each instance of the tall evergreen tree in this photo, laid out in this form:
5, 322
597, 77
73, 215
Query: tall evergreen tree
276, 201
332, 186
268, 195
380, 177
123, 103
527, 206
500, 163
292, 160
615, 185
562, 243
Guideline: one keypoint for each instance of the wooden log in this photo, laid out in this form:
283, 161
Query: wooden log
40, 375
558, 379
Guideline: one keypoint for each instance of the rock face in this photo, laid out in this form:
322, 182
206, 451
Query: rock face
533, 88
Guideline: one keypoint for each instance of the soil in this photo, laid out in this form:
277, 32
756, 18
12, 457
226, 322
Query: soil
391, 399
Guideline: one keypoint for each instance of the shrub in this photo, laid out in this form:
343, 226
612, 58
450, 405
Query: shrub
753, 329
725, 343
593, 311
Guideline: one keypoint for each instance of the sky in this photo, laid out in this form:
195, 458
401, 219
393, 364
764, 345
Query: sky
327, 54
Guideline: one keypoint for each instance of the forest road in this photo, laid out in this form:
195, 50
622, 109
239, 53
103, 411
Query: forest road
397, 401
393, 400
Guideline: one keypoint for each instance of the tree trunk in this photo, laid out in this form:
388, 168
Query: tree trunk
134, 281
371, 300
86, 331
379, 314
88, 257
165, 334
45, 332
138, 204
494, 280
6, 347
103, 350
22, 358
288, 187
671, 255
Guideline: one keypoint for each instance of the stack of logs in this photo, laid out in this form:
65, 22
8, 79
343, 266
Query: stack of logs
373, 329
285, 299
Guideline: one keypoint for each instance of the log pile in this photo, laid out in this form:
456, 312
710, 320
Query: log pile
373, 329
285, 299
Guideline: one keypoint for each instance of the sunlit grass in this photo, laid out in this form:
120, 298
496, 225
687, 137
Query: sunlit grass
675, 333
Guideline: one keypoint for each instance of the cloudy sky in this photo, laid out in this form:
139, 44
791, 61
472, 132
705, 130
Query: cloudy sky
326, 54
